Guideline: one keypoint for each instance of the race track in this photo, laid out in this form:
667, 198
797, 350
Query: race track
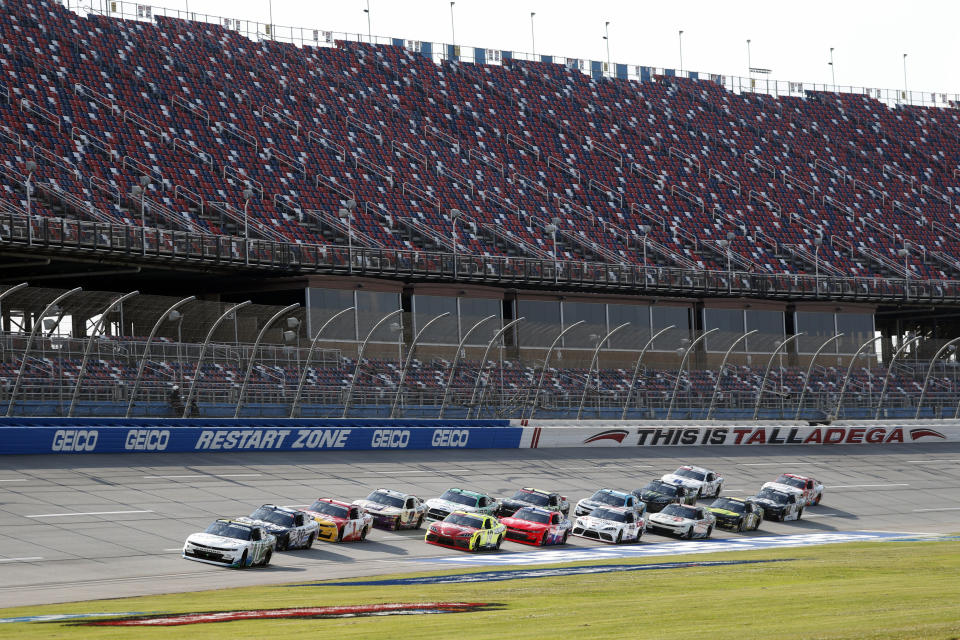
100, 526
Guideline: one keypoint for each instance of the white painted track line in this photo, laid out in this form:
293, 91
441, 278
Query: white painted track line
858, 486
32, 559
940, 509
87, 513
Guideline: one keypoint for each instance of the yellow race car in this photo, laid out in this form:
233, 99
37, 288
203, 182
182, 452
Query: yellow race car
467, 531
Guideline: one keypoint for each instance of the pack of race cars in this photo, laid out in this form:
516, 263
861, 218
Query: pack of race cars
472, 520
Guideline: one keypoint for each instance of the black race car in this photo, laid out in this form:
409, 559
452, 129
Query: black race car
527, 497
739, 514
293, 529
658, 494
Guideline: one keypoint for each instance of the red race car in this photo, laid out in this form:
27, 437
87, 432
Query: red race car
532, 525
339, 521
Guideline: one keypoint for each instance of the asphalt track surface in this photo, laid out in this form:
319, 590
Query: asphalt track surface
101, 526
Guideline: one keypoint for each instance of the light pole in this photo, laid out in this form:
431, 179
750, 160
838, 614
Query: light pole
271, 20
926, 378
905, 254
886, 378
906, 92
454, 216
645, 230
139, 191
749, 63
369, 30
346, 216
683, 361
766, 372
453, 28
30, 166
247, 196
680, 37
833, 75
256, 347
806, 378
606, 36
818, 242
533, 36
552, 230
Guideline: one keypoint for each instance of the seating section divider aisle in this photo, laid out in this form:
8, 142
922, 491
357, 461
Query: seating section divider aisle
661, 172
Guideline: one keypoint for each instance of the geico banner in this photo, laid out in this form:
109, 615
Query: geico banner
608, 435
88, 435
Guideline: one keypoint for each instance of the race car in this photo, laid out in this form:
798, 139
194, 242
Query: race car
658, 494
533, 525
607, 498
461, 500
292, 528
527, 497
739, 514
810, 490
393, 510
232, 544
611, 524
470, 531
779, 505
703, 482
686, 521
339, 521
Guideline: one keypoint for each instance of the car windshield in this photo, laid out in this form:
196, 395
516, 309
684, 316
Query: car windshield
274, 515
791, 481
329, 509
383, 498
464, 520
607, 497
609, 514
532, 497
689, 473
531, 515
660, 487
459, 498
680, 511
728, 504
777, 496
229, 530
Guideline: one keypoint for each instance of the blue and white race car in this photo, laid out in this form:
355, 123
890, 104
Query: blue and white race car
292, 528
607, 498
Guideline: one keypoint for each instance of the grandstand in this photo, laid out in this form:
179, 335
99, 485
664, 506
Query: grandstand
653, 244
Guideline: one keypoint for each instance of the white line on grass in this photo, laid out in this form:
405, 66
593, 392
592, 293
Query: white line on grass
87, 513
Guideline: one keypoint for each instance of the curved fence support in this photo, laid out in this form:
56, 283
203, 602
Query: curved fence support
26, 349
636, 368
456, 361
806, 378
766, 372
926, 378
483, 363
306, 365
546, 363
203, 350
86, 352
165, 316
593, 361
723, 363
253, 354
683, 361
846, 378
406, 365
886, 378
363, 347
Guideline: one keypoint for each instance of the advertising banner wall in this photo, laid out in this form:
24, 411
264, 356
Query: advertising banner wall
91, 435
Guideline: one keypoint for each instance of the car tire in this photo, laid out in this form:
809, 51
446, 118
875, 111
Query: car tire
689, 533
363, 533
243, 560
311, 540
419, 522
619, 537
267, 557
719, 489
817, 501
709, 532
396, 523
496, 545
566, 535
740, 525
799, 514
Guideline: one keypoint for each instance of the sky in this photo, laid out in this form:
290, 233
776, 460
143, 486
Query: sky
793, 39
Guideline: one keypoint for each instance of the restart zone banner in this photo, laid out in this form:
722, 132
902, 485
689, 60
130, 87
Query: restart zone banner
92, 435
612, 434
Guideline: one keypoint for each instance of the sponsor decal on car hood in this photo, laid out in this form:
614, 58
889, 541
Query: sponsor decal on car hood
437, 503
215, 541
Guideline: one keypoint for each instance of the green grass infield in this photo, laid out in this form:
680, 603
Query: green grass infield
855, 590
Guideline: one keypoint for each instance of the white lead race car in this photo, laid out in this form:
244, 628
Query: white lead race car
231, 544
683, 520
702, 482
611, 524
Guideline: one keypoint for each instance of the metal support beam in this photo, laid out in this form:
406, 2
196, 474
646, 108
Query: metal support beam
886, 378
926, 378
146, 349
363, 347
406, 365
806, 378
86, 352
846, 379
253, 354
306, 365
456, 361
723, 363
483, 363
546, 364
26, 349
3, 295
683, 361
593, 361
636, 368
203, 352
766, 373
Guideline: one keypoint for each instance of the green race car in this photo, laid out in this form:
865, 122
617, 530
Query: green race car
739, 514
